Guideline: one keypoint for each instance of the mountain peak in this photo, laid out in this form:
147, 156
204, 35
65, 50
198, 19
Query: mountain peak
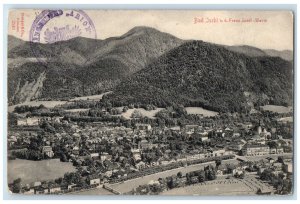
144, 30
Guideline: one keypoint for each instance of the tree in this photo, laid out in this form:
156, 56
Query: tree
240, 176
136, 114
280, 159
63, 157
266, 175
41, 106
16, 186
125, 109
259, 191
218, 163
58, 180
211, 174
272, 144
170, 182
201, 176
179, 174
47, 127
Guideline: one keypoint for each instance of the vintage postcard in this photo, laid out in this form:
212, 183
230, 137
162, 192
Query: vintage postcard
150, 102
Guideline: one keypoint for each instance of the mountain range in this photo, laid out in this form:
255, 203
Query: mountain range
80, 66
147, 66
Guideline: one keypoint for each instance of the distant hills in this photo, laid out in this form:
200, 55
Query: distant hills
81, 66
256, 52
211, 76
285, 54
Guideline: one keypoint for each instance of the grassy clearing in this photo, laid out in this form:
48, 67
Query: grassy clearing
31, 171
52, 104
96, 191
92, 97
48, 104
286, 119
200, 111
77, 110
277, 109
145, 113
216, 187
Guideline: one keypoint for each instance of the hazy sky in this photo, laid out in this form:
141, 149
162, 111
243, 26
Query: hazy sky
273, 31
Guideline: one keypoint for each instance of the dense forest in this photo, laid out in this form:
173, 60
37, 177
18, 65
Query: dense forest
210, 76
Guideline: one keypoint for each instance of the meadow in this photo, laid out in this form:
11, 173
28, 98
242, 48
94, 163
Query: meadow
200, 111
31, 171
277, 109
145, 113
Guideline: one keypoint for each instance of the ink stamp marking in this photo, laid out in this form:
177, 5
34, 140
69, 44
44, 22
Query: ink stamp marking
51, 26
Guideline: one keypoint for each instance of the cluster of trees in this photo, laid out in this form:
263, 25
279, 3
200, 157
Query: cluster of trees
72, 178
136, 114
239, 175
26, 108
31, 151
47, 127
15, 186
176, 181
273, 114
161, 168
208, 174
81, 104
151, 155
12, 120
283, 185
285, 130
150, 189
29, 155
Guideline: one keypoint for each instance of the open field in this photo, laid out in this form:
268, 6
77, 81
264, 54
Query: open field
48, 104
31, 171
134, 183
286, 119
95, 191
149, 114
216, 187
92, 97
277, 109
52, 104
77, 110
247, 186
200, 111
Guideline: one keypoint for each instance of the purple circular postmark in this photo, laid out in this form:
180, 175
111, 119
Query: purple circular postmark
53, 26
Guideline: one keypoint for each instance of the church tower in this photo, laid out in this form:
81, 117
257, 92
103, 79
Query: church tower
259, 128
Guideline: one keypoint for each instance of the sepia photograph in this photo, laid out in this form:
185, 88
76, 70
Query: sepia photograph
150, 102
